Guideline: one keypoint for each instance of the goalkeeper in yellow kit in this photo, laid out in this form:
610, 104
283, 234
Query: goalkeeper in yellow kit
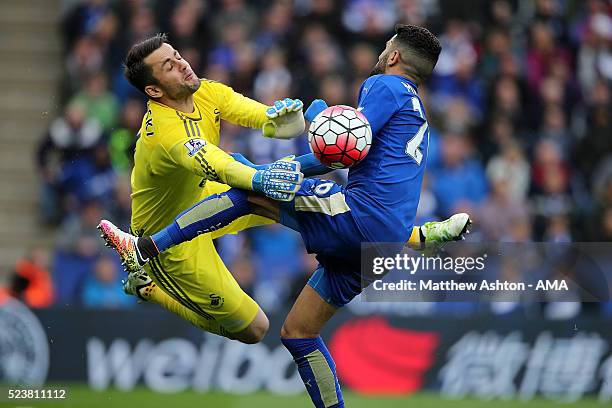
177, 164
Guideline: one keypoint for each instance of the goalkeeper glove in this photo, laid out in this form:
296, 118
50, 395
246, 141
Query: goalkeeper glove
279, 181
286, 119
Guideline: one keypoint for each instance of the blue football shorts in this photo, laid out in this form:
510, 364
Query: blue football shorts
322, 216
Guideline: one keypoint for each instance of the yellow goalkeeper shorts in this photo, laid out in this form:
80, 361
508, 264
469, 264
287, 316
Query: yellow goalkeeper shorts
194, 275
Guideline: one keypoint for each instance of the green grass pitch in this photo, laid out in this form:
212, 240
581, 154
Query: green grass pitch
82, 396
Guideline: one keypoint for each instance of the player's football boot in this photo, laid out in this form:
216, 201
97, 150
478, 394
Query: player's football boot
138, 284
125, 244
454, 228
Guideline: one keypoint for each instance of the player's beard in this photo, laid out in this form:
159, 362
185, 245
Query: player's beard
380, 66
182, 91
378, 69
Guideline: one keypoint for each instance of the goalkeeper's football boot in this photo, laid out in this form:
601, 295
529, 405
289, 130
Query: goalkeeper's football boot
125, 244
138, 284
453, 229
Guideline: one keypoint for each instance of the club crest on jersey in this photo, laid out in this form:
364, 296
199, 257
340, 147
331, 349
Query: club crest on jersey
194, 145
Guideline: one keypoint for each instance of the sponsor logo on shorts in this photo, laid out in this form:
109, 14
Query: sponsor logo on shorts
216, 301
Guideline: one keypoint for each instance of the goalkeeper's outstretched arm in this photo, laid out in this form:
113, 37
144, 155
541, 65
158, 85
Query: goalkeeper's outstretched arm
280, 181
283, 120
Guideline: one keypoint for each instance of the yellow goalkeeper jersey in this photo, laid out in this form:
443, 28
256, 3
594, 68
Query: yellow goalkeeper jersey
177, 163
177, 153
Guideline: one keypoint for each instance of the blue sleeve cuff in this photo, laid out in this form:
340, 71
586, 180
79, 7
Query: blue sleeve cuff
317, 106
240, 158
311, 166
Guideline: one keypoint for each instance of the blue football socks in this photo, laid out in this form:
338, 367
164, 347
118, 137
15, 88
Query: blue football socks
318, 371
210, 214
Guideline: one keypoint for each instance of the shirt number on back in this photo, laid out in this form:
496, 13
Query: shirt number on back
412, 147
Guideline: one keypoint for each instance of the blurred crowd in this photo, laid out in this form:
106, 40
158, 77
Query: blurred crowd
519, 110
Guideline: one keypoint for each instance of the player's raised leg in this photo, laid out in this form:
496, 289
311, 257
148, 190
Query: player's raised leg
280, 180
212, 213
219, 210
141, 285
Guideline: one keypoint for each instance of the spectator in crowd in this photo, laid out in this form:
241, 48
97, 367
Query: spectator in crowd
542, 54
246, 69
507, 102
497, 48
105, 35
77, 248
460, 182
550, 183
122, 140
594, 57
459, 81
511, 167
506, 204
82, 19
84, 59
417, 12
142, 25
103, 288
233, 13
31, 281
274, 78
69, 138
99, 102
596, 143
276, 27
601, 224
188, 27
233, 36
500, 211
78, 234
324, 13
121, 204
89, 178
370, 19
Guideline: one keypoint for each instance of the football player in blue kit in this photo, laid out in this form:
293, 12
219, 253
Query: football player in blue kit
378, 204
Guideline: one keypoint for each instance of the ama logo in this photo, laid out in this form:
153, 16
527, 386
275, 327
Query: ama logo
395, 360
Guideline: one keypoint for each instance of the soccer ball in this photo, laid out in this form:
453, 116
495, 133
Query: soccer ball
340, 136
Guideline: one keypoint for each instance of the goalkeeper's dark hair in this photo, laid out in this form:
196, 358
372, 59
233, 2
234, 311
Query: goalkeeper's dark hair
139, 74
419, 50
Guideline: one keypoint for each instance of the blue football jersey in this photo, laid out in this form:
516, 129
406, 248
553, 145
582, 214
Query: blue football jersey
383, 190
